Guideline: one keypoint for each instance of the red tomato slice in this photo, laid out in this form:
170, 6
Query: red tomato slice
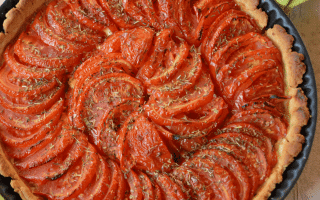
57, 167
191, 125
55, 147
166, 11
19, 139
88, 19
115, 9
171, 68
100, 184
26, 122
72, 184
64, 23
141, 147
235, 48
27, 71
251, 157
183, 80
156, 55
105, 135
186, 18
169, 188
207, 11
45, 102
271, 125
48, 36
267, 92
135, 185
227, 26
24, 89
23, 152
220, 180
225, 160
132, 44
115, 180
200, 95
29, 49
104, 92
199, 189
147, 187
96, 12
265, 143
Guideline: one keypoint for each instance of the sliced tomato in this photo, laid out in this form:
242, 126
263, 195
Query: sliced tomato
235, 48
200, 95
183, 80
105, 135
23, 89
57, 167
157, 192
28, 122
104, 92
34, 52
227, 26
95, 11
167, 138
88, 19
48, 36
166, 10
267, 92
100, 183
169, 188
115, 179
148, 68
133, 45
193, 124
38, 105
260, 139
20, 139
135, 184
64, 23
272, 125
251, 145
75, 181
213, 175
23, 152
207, 11
199, 190
141, 147
27, 70
176, 59
252, 157
55, 147
115, 9
227, 161
123, 187
147, 187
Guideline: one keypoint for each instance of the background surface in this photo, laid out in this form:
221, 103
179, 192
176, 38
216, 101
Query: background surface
306, 18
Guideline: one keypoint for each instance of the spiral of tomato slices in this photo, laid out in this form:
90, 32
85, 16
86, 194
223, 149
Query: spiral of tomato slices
121, 99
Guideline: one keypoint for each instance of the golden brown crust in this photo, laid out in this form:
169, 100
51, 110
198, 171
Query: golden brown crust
15, 21
250, 7
297, 110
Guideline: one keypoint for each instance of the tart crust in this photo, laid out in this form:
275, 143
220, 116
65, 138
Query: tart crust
297, 110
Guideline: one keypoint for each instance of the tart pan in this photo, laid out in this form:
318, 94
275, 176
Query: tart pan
293, 171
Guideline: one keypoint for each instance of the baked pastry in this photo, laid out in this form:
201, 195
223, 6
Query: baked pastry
147, 100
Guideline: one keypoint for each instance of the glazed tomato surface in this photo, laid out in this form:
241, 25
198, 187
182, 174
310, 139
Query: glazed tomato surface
142, 99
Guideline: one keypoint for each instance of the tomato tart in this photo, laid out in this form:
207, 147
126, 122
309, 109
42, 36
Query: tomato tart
167, 99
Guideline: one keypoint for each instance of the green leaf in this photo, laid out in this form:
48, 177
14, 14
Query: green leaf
290, 3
